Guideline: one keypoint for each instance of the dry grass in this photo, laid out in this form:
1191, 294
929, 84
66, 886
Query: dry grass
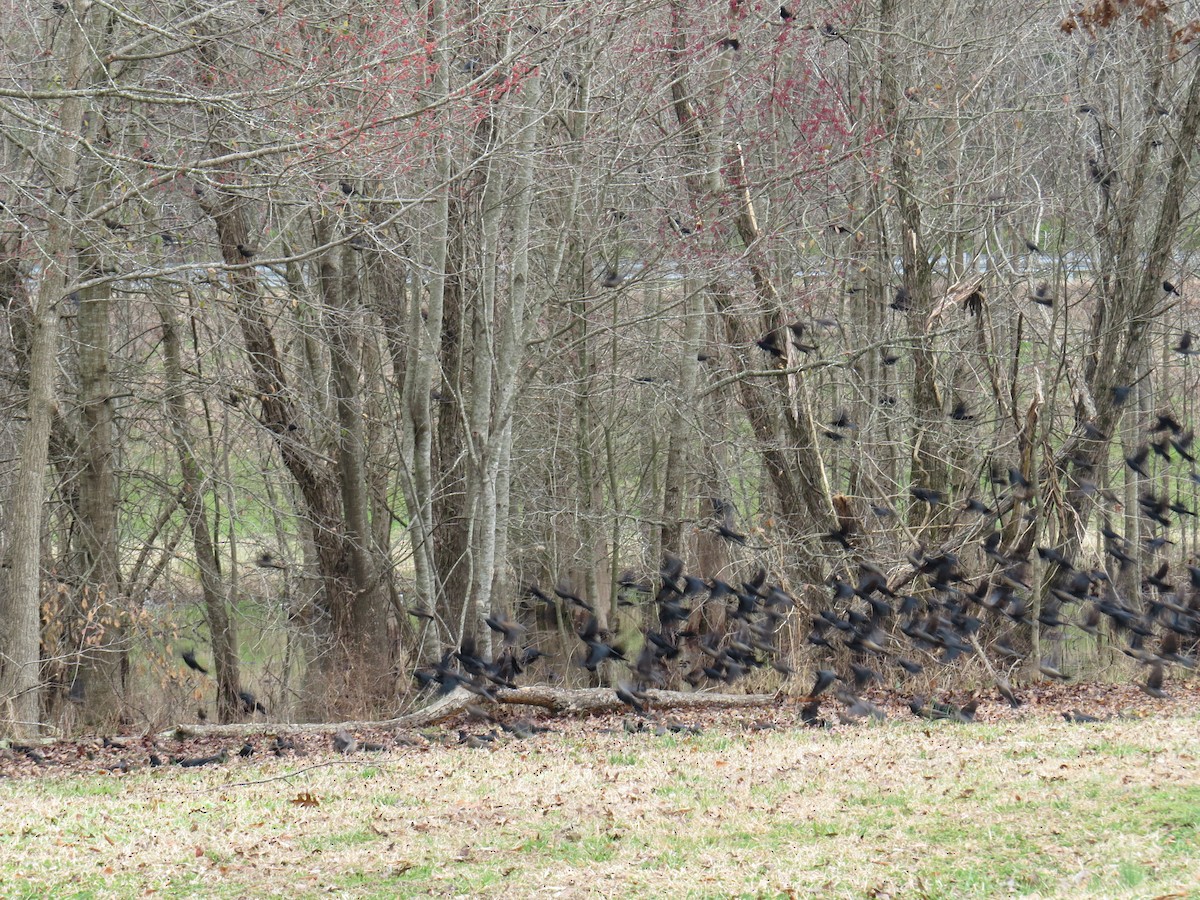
1039, 808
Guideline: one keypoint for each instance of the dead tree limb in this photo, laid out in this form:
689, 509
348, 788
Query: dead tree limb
558, 701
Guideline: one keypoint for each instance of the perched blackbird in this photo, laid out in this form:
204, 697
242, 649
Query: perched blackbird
189, 657
1101, 175
734, 537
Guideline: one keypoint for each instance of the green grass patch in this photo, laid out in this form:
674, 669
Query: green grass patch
1033, 809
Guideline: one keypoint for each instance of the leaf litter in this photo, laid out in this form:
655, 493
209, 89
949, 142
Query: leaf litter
707, 803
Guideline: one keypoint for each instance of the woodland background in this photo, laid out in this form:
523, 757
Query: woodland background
330, 328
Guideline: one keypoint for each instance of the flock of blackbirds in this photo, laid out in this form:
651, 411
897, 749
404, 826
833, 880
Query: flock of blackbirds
977, 603
867, 635
756, 611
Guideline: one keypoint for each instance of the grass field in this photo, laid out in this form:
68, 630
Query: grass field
1039, 808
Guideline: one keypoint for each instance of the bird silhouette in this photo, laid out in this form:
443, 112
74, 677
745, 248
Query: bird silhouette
250, 704
825, 680
513, 632
189, 657
563, 592
960, 413
973, 598
631, 696
810, 715
1153, 685
1006, 691
1041, 295
926, 495
192, 762
1051, 671
769, 343
267, 560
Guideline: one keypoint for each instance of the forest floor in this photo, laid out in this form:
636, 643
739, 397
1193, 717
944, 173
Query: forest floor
740, 803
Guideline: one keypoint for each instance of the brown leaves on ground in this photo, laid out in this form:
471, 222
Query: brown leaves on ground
126, 753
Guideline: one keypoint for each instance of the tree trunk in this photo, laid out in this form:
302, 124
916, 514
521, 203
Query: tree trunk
100, 610
335, 679
367, 628
20, 602
196, 490
929, 468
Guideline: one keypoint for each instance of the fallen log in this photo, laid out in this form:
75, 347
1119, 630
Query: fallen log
560, 701
590, 700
